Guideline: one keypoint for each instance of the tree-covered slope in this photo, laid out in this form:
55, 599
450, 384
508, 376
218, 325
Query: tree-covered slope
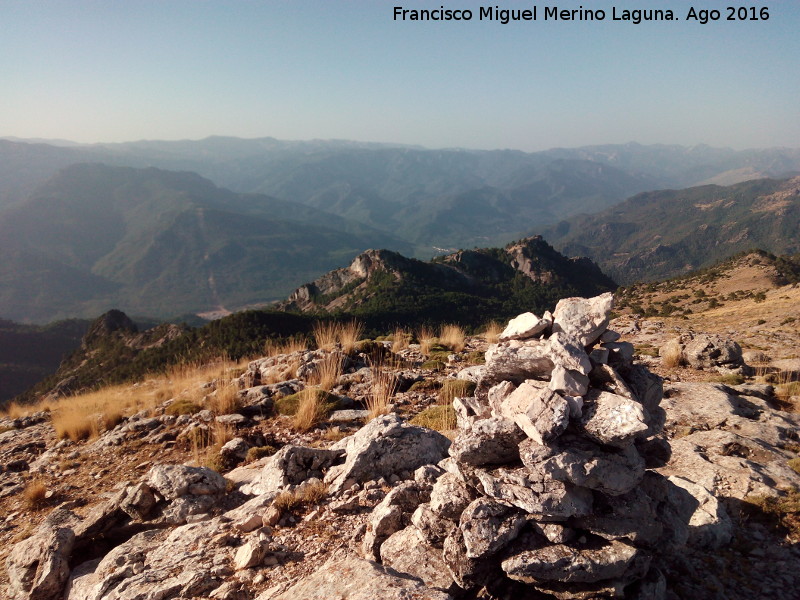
662, 234
470, 287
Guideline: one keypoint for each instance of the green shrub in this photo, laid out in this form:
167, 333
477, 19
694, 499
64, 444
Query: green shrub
288, 405
456, 388
259, 452
433, 365
731, 379
426, 385
182, 406
439, 418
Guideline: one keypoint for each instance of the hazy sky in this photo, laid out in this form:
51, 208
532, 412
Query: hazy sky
102, 71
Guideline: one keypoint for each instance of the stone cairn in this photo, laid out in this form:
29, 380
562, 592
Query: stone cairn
546, 492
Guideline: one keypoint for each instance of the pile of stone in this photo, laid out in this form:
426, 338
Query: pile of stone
547, 484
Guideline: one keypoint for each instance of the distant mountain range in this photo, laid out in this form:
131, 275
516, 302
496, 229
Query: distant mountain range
88, 227
431, 198
663, 234
161, 243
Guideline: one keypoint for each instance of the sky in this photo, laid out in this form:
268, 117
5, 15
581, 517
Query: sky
123, 70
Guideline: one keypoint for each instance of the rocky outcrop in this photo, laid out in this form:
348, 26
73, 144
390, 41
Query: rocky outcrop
546, 484
358, 579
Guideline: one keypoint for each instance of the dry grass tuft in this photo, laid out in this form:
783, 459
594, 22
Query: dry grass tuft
349, 335
311, 410
306, 495
426, 339
452, 336
225, 400
293, 344
326, 334
671, 354
401, 338
328, 372
455, 388
34, 494
384, 386
492, 332
14, 410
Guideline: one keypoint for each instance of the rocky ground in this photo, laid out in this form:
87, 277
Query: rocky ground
572, 473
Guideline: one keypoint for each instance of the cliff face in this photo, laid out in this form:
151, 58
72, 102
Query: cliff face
479, 271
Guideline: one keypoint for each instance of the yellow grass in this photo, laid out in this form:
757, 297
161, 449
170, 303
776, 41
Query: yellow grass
311, 410
452, 336
14, 410
426, 338
492, 332
671, 355
225, 400
326, 334
349, 334
345, 335
384, 385
294, 344
34, 493
328, 372
400, 339
86, 416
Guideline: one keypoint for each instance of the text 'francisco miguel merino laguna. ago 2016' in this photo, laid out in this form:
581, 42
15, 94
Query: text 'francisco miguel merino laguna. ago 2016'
553, 13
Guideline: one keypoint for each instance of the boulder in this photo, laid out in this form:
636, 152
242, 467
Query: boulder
612, 419
707, 351
406, 553
584, 319
384, 447
292, 465
524, 326
491, 441
359, 579
488, 526
174, 481
38, 567
586, 464
538, 411
572, 564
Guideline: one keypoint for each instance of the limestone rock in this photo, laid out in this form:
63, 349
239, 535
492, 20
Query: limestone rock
545, 498
585, 319
563, 350
392, 514
449, 496
174, 481
431, 527
404, 552
585, 464
539, 411
251, 554
612, 419
386, 446
491, 441
488, 526
516, 361
710, 526
707, 351
359, 579
571, 383
570, 564
524, 326
292, 465
38, 567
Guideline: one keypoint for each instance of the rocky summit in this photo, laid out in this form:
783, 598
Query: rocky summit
574, 472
